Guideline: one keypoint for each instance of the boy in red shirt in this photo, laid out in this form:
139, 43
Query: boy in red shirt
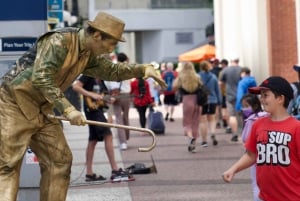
273, 144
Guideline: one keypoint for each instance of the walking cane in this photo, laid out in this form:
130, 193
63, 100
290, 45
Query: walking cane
104, 124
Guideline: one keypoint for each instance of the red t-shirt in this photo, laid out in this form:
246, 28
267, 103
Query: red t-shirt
138, 100
277, 148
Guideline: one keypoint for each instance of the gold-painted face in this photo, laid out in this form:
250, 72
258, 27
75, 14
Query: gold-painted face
102, 46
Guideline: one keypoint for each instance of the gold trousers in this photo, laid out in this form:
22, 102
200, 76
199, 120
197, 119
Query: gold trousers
45, 138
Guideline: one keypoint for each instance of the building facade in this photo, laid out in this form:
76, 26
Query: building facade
155, 30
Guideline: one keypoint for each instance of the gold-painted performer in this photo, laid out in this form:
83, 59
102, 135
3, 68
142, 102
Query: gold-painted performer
34, 87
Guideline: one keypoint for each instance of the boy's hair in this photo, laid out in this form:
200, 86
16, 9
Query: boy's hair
286, 99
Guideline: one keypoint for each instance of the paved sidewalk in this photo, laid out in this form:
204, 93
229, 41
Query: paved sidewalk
182, 176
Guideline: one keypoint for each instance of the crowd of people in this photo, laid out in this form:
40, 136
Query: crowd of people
34, 87
232, 103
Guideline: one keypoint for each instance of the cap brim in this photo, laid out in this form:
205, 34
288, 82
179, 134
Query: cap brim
256, 90
297, 68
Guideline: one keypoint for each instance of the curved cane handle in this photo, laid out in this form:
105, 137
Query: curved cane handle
104, 124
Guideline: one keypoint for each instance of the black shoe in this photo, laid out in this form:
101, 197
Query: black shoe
215, 142
204, 144
171, 119
121, 175
228, 130
234, 138
167, 116
192, 145
94, 177
218, 125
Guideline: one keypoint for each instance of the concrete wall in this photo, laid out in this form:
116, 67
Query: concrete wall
241, 31
155, 30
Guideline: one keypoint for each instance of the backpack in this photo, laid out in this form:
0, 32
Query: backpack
295, 111
202, 95
169, 78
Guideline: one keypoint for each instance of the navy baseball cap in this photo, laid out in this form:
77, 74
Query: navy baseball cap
275, 83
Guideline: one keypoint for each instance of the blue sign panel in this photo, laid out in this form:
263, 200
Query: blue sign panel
55, 5
23, 10
56, 14
55, 9
16, 44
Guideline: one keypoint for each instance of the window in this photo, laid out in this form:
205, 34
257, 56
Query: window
184, 38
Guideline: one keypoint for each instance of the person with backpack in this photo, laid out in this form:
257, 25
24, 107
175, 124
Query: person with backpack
169, 76
208, 116
142, 98
188, 83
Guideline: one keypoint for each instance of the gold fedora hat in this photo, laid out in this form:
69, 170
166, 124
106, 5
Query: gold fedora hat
108, 24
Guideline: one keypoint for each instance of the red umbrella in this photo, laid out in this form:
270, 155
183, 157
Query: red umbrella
198, 54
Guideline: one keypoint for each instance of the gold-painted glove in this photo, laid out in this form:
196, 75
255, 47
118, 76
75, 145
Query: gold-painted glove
150, 72
74, 116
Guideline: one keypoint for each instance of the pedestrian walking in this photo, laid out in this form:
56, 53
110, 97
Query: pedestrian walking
188, 81
208, 115
272, 145
141, 98
251, 111
170, 102
230, 78
121, 104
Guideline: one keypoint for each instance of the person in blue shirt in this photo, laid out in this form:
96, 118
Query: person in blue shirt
246, 81
208, 116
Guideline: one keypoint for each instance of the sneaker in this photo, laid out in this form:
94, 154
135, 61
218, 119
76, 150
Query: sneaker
167, 116
228, 130
94, 177
120, 175
123, 146
192, 145
171, 119
213, 138
234, 138
204, 144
